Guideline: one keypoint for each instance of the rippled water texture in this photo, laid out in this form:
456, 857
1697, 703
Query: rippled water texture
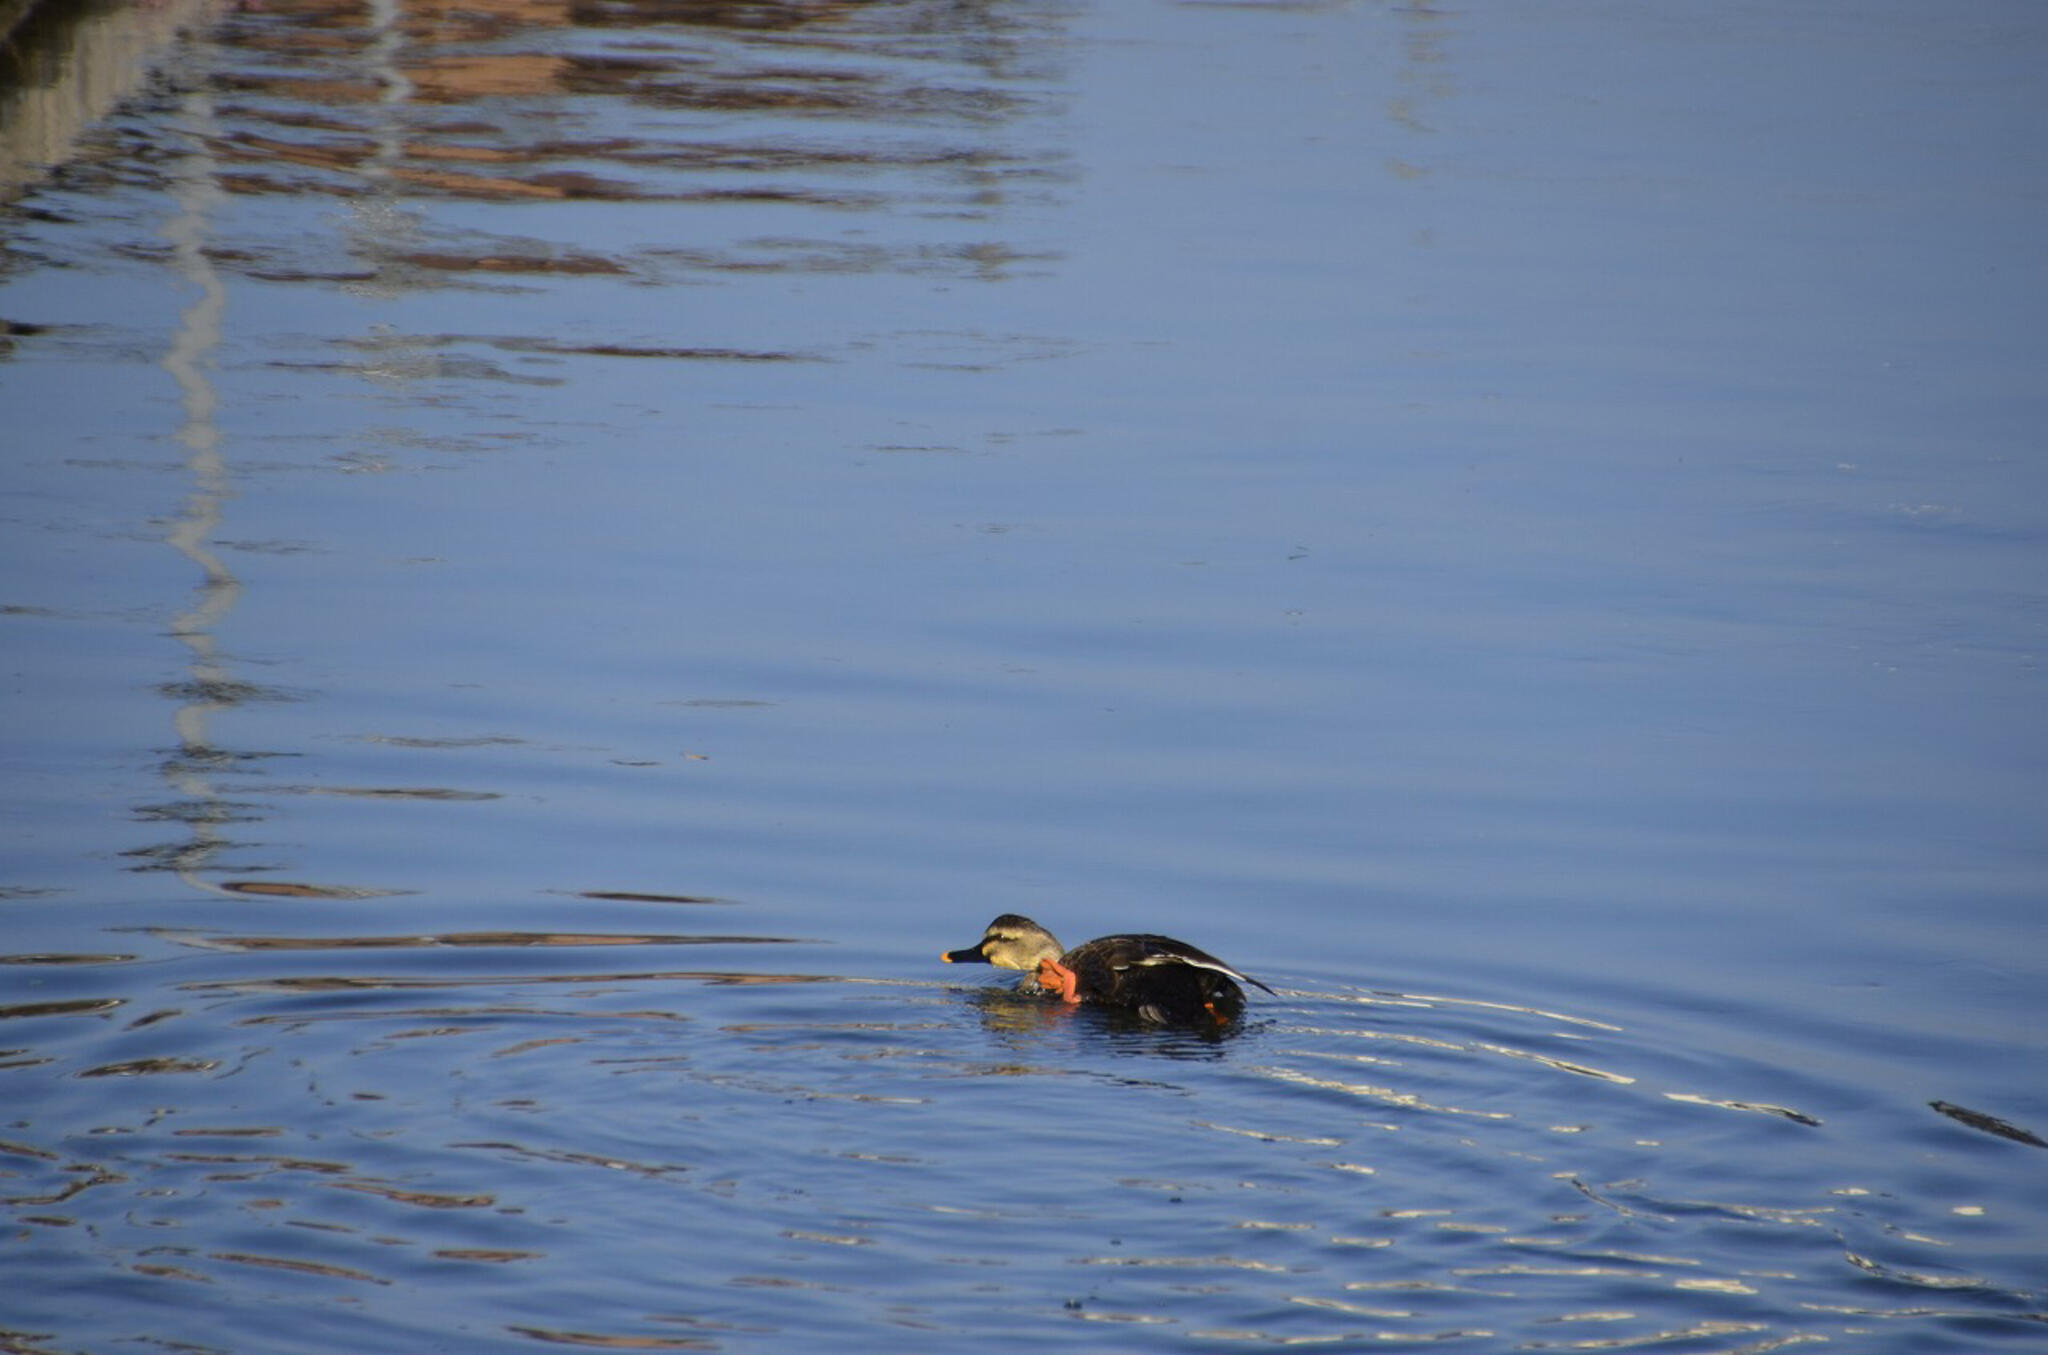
554, 556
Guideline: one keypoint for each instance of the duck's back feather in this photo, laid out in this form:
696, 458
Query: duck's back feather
1161, 978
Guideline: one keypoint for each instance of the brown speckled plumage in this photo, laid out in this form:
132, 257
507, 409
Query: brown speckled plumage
1157, 977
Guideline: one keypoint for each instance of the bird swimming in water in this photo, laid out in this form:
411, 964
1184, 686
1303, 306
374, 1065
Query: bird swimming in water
1159, 978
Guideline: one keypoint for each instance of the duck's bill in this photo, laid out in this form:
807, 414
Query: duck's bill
971, 955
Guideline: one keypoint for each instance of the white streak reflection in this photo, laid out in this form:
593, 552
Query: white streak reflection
1383, 1095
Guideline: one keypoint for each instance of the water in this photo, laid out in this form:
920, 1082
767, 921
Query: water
554, 557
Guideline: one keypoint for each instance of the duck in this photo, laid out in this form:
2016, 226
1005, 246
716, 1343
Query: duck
1163, 980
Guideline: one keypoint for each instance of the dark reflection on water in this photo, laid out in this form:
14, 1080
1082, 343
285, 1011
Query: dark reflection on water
1027, 1019
1990, 1124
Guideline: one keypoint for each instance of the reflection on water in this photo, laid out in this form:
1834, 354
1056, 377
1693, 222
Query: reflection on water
466, 939
67, 66
195, 762
1024, 1020
937, 1161
851, 109
848, 111
1990, 1124
255, 1104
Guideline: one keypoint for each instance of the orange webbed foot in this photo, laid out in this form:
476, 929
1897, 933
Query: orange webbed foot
1055, 977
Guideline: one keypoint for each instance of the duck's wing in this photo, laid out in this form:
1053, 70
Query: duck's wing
1146, 950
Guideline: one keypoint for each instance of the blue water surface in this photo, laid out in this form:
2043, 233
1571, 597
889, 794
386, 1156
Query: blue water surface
553, 557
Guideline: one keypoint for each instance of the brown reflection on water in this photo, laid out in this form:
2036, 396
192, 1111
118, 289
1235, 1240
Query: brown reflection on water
494, 939
320, 1268
394, 983
413, 343
264, 1161
93, 1176
598, 1340
298, 889
836, 107
424, 1199
78, 1007
440, 793
65, 958
575, 1159
140, 1067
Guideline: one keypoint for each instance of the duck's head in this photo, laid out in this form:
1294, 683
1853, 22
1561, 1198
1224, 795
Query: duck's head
1011, 942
